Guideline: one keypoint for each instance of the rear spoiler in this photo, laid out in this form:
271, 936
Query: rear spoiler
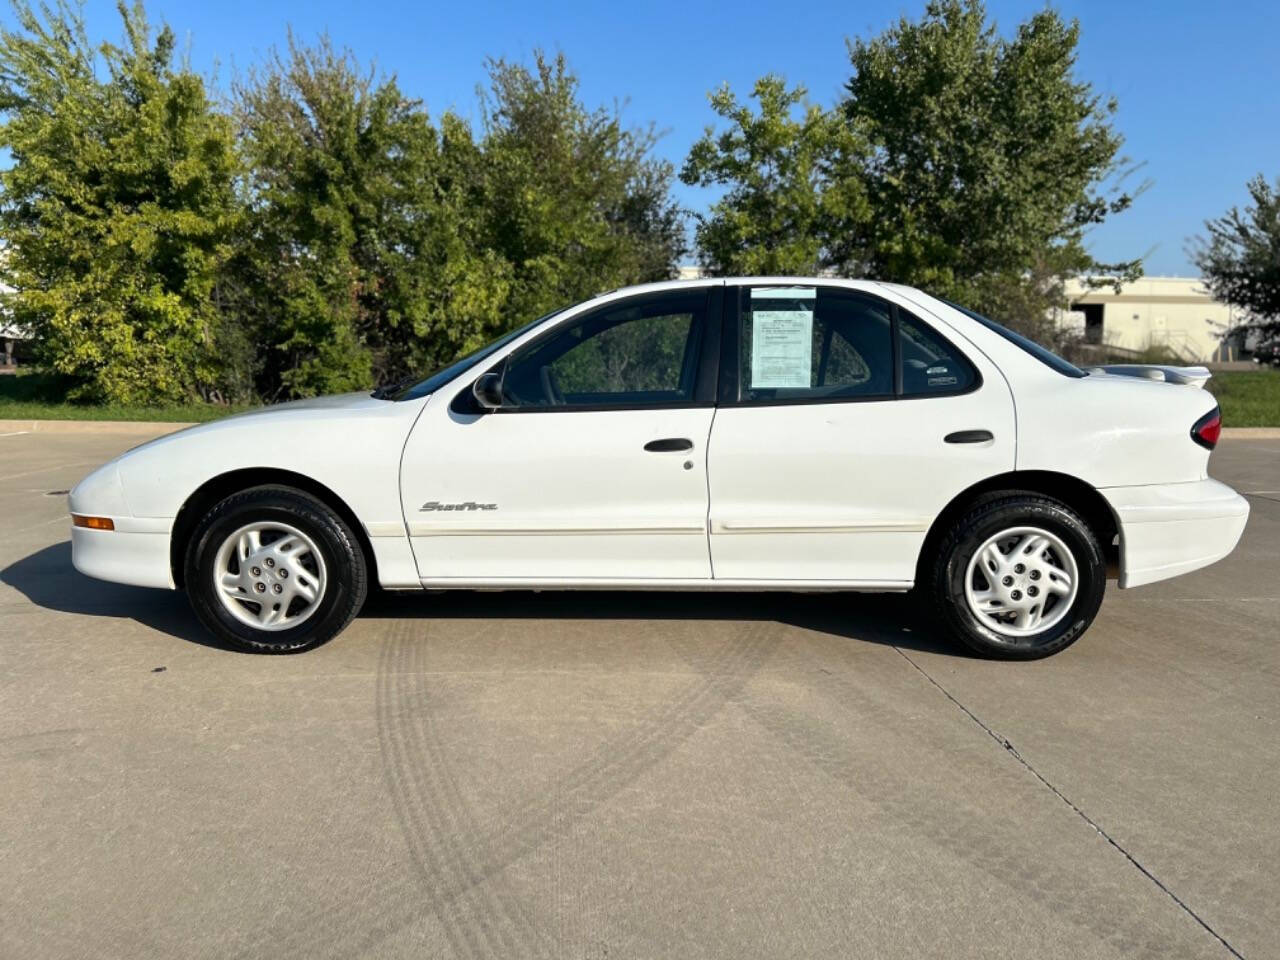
1191, 376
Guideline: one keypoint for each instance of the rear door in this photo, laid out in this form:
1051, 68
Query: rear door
845, 425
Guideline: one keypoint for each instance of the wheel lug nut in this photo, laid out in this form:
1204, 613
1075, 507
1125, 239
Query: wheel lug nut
260, 587
1035, 574
269, 562
1032, 591
1016, 595
283, 573
277, 588
1018, 568
255, 571
1007, 581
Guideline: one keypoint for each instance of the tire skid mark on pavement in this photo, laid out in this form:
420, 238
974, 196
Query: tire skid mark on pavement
965, 833
436, 819
387, 909
613, 766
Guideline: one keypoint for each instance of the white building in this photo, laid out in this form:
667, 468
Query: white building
1176, 313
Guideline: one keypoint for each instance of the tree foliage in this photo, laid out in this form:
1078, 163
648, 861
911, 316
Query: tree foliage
118, 211
989, 158
321, 231
573, 200
789, 190
959, 161
361, 249
318, 233
1240, 257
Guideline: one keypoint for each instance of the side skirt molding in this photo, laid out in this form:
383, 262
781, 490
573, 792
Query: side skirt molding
708, 585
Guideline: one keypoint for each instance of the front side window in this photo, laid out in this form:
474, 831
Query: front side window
638, 352
813, 343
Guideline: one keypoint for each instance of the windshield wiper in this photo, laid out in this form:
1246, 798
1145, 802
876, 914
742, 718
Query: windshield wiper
389, 390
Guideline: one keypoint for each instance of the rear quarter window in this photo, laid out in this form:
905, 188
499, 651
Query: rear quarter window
931, 366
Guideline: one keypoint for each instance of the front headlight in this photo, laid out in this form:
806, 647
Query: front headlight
100, 494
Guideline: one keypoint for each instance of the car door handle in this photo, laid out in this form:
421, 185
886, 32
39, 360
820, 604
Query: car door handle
669, 445
969, 436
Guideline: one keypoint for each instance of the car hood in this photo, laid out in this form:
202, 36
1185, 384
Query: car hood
341, 406
340, 401
350, 443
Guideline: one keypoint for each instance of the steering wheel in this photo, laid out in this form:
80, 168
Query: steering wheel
552, 392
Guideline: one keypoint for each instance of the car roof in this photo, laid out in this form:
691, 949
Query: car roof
861, 284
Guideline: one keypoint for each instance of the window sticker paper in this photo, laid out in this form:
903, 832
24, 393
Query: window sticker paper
782, 337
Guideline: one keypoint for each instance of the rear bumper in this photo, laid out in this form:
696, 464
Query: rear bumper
1174, 528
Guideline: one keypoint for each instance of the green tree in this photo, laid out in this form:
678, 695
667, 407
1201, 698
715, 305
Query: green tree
989, 159
573, 200
362, 261
958, 161
788, 193
118, 210
1240, 257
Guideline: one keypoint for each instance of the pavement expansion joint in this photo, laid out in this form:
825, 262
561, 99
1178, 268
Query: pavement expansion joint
1013, 751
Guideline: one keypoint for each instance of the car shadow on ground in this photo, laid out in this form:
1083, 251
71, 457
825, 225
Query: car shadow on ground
48, 580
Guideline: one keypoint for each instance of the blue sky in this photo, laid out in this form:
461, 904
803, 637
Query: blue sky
1198, 83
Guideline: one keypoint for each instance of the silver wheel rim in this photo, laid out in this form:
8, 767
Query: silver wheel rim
269, 576
1021, 582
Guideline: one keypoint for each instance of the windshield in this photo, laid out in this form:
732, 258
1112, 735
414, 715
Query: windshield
1044, 355
439, 378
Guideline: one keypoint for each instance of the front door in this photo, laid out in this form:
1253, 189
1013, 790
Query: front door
830, 455
594, 467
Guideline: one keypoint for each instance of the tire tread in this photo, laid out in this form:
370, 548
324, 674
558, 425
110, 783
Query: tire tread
310, 511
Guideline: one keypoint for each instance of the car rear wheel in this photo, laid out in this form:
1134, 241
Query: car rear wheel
274, 570
1018, 577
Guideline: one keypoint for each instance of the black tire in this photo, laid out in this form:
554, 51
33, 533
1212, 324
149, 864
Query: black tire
346, 571
987, 518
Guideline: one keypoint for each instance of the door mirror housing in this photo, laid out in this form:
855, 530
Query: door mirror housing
488, 391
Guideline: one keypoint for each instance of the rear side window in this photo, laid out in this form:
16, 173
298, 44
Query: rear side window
813, 343
930, 365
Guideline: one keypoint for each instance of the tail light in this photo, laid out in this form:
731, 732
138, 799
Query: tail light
1207, 429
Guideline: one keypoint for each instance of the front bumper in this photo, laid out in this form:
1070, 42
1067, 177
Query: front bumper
1173, 528
139, 558
135, 552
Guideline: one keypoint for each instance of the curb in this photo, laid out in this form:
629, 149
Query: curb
1251, 433
138, 427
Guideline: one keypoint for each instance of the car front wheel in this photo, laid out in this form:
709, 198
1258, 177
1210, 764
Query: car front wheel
1018, 577
274, 570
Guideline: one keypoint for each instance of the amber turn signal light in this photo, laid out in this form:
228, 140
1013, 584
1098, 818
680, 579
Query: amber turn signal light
93, 523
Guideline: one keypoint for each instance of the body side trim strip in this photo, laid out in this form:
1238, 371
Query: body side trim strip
385, 528
430, 530
741, 526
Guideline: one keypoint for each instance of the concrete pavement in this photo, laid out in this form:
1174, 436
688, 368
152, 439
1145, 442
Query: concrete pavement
632, 775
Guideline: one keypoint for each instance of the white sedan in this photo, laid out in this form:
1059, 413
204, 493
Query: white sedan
743, 434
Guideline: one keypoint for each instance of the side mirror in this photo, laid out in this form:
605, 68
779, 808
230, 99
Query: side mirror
488, 391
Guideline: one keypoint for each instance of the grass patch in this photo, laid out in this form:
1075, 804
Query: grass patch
35, 396
1249, 398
